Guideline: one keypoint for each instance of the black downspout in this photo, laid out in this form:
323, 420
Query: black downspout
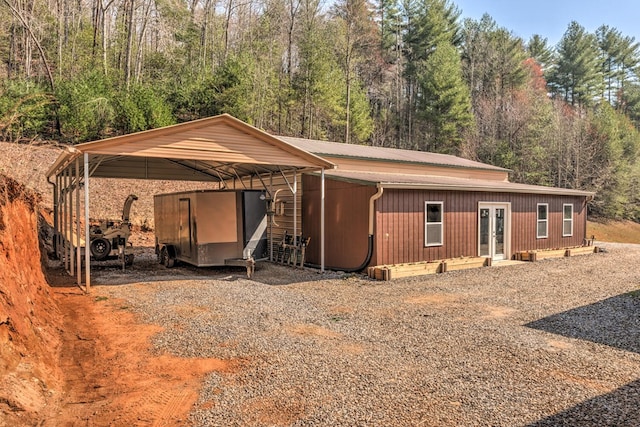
367, 260
350, 270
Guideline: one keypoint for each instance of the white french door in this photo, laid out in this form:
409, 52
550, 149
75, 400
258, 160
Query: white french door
494, 230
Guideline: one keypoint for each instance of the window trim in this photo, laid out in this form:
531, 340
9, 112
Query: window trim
538, 221
441, 223
570, 220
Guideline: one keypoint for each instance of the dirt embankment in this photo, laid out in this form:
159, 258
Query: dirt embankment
30, 322
72, 359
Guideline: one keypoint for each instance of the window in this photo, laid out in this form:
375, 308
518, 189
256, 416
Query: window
543, 221
567, 220
433, 224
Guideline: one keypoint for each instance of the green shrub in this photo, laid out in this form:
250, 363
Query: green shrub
86, 107
24, 109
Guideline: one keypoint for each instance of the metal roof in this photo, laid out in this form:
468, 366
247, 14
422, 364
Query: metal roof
211, 149
428, 182
365, 152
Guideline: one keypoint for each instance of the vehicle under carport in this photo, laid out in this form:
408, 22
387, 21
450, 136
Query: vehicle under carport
222, 150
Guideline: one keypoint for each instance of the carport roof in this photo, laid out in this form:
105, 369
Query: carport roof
212, 149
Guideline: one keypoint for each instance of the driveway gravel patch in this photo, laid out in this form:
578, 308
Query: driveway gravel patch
548, 343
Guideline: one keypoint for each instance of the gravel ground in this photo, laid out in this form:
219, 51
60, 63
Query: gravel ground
555, 342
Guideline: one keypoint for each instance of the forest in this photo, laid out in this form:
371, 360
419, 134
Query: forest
396, 73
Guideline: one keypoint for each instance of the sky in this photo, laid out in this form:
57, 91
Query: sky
550, 18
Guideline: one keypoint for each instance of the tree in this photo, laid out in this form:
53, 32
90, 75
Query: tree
608, 167
494, 66
538, 49
87, 109
444, 100
429, 23
390, 21
358, 38
24, 109
577, 76
140, 108
619, 55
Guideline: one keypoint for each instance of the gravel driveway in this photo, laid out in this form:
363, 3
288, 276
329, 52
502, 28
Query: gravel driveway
555, 342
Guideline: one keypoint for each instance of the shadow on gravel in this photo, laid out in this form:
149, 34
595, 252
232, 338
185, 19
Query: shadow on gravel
614, 322
146, 269
619, 408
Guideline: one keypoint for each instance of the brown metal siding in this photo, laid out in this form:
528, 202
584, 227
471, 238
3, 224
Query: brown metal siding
400, 223
346, 221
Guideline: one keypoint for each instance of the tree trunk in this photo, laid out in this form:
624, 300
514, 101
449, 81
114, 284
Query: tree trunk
129, 45
347, 129
31, 34
145, 21
227, 22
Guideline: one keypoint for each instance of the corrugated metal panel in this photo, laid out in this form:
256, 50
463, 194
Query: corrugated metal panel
400, 223
346, 221
336, 149
217, 141
150, 168
434, 182
369, 167
220, 139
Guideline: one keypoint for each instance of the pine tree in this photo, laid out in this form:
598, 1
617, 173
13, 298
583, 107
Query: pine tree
538, 49
430, 23
619, 57
577, 76
444, 101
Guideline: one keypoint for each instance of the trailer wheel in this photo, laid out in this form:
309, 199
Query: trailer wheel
100, 248
128, 259
166, 258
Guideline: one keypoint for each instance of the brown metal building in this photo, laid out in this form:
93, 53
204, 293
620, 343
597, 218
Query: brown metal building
372, 205
416, 206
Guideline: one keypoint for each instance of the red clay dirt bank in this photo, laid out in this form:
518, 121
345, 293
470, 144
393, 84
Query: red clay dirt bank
67, 358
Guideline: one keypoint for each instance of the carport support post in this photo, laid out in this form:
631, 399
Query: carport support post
270, 216
78, 233
295, 203
65, 217
56, 215
72, 261
87, 253
322, 220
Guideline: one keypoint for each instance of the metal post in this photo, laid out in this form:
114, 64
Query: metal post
270, 217
87, 253
56, 216
322, 221
295, 202
72, 256
65, 217
78, 233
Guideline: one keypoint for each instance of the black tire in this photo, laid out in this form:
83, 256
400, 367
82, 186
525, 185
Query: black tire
128, 259
170, 262
166, 259
100, 248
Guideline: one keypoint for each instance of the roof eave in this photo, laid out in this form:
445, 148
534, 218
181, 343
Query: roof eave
493, 189
413, 162
64, 159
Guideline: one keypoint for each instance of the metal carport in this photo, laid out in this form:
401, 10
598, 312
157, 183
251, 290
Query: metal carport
220, 149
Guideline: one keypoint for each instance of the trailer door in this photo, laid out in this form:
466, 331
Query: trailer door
185, 228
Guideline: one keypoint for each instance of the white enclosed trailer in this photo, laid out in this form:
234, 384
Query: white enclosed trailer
211, 228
